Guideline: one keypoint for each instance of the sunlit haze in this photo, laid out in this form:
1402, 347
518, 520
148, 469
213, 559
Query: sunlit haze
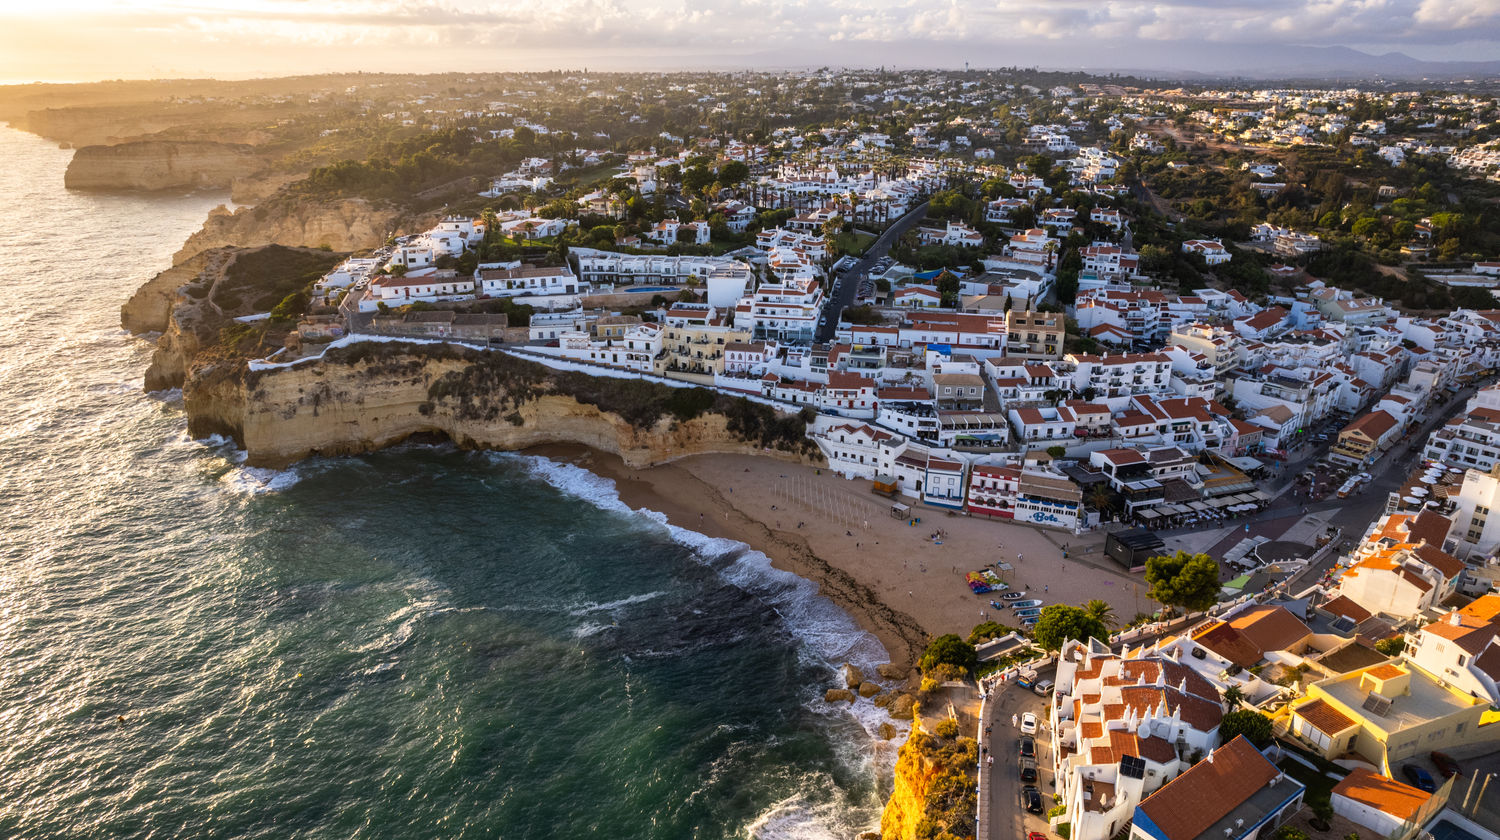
78, 40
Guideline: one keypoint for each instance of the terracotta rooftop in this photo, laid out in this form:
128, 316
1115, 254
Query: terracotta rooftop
1189, 805
1325, 717
1382, 793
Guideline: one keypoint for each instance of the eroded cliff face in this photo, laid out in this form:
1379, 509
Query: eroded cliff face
347, 224
150, 308
160, 165
913, 781
283, 415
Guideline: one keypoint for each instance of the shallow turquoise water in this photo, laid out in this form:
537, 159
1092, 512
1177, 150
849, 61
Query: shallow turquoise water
417, 643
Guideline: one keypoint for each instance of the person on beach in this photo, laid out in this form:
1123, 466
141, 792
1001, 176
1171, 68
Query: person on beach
1015, 720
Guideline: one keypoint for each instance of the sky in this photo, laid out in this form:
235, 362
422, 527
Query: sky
83, 40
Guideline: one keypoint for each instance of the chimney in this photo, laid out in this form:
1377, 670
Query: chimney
1454, 619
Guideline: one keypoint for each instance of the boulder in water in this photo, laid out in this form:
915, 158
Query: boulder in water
886, 731
868, 689
902, 706
852, 675
834, 695
891, 671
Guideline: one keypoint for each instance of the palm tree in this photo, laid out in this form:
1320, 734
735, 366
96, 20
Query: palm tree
1100, 497
1101, 610
1233, 696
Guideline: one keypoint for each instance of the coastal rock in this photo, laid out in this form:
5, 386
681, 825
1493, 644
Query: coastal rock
902, 706
150, 307
835, 695
868, 689
342, 224
852, 675
151, 165
891, 671
886, 731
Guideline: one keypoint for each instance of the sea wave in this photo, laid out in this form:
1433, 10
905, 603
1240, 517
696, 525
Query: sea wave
592, 607
255, 481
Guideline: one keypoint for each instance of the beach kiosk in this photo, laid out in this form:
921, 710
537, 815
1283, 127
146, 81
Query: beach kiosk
884, 485
900, 511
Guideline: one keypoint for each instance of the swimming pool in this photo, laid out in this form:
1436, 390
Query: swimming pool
1445, 830
651, 289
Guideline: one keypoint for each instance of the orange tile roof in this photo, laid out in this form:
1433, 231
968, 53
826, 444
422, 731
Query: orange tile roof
1325, 717
1229, 643
1342, 606
1382, 793
1385, 672
1190, 804
1270, 627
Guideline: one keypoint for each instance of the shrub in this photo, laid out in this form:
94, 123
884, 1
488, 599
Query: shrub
949, 649
946, 728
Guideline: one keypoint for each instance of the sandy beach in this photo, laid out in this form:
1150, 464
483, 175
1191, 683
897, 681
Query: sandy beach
896, 578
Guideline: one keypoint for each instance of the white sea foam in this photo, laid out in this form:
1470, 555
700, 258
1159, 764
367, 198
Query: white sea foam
592, 607
255, 481
795, 818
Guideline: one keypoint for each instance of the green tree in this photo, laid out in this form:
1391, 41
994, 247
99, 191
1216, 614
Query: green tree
734, 172
949, 649
1056, 451
1392, 646
1233, 696
985, 631
1059, 623
1189, 581
1255, 726
1100, 609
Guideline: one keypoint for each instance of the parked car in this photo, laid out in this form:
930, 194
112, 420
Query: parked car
1445, 765
1027, 769
1028, 723
1043, 687
1028, 746
1036, 835
1419, 778
1032, 799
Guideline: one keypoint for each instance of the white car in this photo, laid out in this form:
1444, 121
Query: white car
1028, 724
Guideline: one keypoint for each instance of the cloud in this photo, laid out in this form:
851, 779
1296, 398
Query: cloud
231, 36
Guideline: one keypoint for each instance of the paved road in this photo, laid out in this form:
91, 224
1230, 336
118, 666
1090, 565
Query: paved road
1354, 514
1001, 786
845, 294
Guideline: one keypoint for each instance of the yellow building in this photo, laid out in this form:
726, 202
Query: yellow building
1386, 714
698, 348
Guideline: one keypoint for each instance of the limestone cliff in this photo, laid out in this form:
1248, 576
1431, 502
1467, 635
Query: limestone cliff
933, 792
331, 408
151, 305
914, 774
348, 224
160, 165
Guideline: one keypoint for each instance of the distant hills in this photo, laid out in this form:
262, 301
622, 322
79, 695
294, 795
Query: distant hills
1198, 60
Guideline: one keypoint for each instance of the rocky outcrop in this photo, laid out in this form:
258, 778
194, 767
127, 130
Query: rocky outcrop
150, 307
160, 165
838, 695
333, 407
911, 783
933, 791
345, 224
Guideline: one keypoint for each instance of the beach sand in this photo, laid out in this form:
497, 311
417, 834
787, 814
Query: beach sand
892, 576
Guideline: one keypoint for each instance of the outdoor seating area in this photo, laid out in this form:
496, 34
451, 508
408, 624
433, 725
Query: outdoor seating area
1217, 509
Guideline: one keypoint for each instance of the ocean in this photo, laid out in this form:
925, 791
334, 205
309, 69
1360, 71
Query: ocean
417, 643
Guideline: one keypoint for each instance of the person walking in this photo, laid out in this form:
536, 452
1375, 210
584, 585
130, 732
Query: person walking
1015, 721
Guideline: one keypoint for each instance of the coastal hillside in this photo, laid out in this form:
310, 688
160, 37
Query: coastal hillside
152, 165
368, 395
341, 224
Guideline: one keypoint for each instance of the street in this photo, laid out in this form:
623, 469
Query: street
1001, 785
844, 294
